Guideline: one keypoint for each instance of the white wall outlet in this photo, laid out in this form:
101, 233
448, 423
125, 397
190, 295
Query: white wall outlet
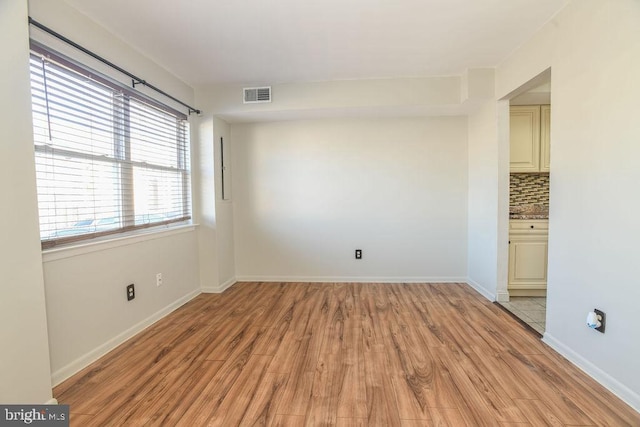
159, 279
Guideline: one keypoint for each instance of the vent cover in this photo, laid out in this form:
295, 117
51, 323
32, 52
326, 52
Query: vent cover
253, 95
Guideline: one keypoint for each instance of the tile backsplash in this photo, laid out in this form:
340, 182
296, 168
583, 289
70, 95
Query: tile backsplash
528, 189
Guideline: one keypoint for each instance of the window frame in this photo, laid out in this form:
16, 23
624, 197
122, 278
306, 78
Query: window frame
121, 145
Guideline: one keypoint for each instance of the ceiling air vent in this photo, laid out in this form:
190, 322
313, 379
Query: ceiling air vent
253, 95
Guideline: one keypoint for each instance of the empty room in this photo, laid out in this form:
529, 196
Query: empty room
338, 213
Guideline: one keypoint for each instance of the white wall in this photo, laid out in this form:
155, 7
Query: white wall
308, 193
63, 18
593, 49
214, 215
24, 354
224, 208
87, 310
483, 200
205, 203
343, 98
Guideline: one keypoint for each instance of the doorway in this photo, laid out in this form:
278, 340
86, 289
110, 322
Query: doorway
529, 183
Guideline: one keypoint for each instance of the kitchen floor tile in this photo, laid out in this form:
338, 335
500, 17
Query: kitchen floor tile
535, 315
531, 310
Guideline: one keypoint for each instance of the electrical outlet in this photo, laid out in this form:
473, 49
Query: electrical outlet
358, 253
131, 292
602, 317
159, 279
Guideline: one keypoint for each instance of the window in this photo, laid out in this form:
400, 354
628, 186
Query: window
108, 159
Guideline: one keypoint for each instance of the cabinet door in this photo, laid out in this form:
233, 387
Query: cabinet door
528, 262
545, 137
524, 139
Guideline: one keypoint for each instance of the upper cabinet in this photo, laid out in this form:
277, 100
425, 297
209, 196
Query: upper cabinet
529, 138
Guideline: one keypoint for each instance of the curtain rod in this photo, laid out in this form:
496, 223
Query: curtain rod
134, 79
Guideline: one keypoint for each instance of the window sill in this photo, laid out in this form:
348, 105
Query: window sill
111, 242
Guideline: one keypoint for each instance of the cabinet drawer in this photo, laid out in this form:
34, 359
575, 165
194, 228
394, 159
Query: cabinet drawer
528, 226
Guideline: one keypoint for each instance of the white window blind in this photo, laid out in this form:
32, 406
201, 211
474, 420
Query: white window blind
108, 159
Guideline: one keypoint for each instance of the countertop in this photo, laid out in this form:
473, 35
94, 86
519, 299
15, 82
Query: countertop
534, 211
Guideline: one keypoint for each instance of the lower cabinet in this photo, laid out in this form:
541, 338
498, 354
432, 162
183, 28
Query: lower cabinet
528, 257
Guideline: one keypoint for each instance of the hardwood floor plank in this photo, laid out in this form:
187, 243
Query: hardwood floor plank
537, 413
372, 333
270, 303
300, 363
476, 404
79, 420
206, 405
77, 390
334, 329
528, 372
500, 373
382, 409
446, 417
585, 392
218, 341
244, 337
287, 310
296, 396
184, 339
288, 421
364, 354
141, 404
354, 402
196, 385
300, 358
415, 379
233, 408
123, 378
500, 330
262, 409
438, 417
351, 422
427, 325
502, 404
327, 390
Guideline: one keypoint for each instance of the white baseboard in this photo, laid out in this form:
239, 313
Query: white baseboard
52, 401
219, 289
613, 385
80, 363
502, 296
351, 279
481, 290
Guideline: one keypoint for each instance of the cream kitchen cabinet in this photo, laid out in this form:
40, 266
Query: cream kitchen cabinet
529, 138
545, 137
528, 257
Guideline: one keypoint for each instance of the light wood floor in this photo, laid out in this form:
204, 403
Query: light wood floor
338, 354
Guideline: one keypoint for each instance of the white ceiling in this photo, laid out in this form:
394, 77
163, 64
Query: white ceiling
278, 41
